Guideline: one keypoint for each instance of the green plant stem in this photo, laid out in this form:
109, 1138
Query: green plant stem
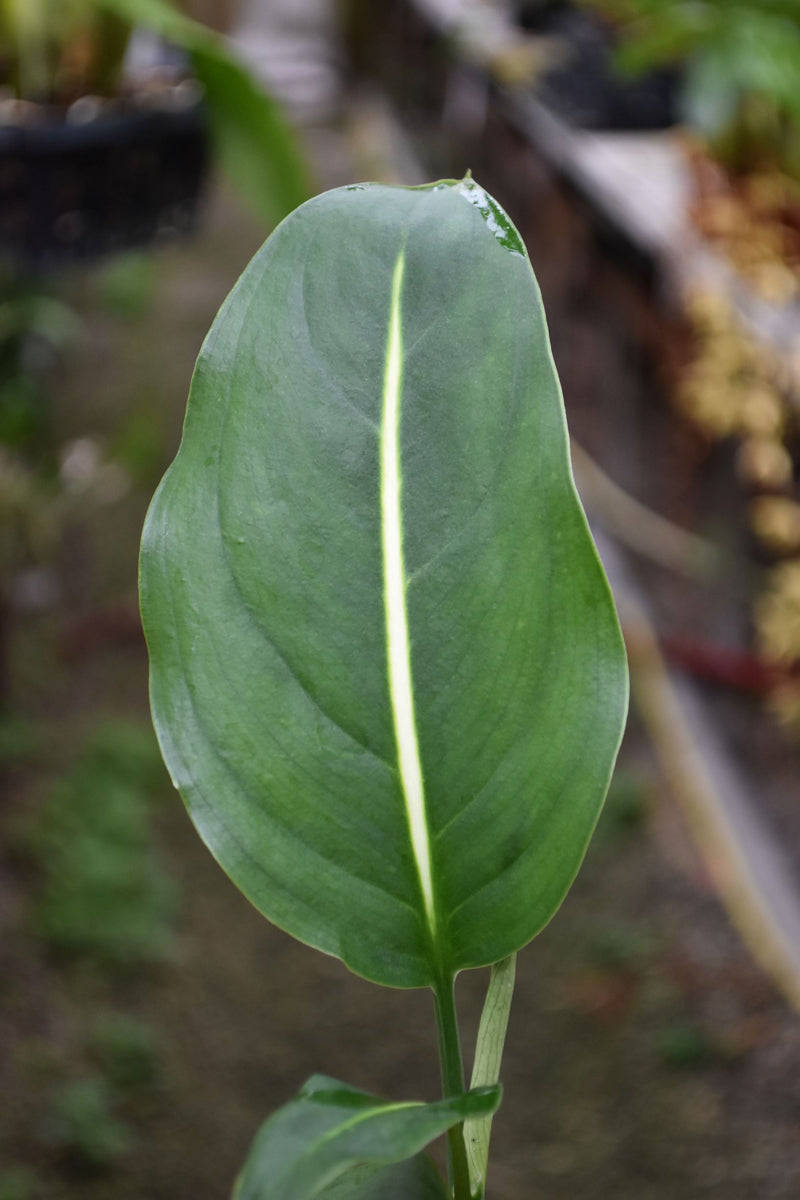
452, 1084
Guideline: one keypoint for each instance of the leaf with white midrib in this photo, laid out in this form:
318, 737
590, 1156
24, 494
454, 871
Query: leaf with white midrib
398, 648
386, 673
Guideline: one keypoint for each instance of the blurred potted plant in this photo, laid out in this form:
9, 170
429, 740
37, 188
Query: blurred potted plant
741, 68
92, 160
741, 106
579, 80
741, 97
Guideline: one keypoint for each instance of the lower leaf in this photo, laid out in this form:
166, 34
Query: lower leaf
414, 1179
331, 1129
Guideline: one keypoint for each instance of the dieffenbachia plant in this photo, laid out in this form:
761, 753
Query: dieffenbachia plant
386, 672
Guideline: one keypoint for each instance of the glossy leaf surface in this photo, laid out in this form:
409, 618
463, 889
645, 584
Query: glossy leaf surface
332, 1140
386, 672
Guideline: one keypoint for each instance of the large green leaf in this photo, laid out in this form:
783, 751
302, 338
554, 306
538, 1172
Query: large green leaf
386, 672
332, 1140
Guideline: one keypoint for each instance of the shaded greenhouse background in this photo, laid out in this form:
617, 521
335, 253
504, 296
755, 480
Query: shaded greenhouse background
149, 1019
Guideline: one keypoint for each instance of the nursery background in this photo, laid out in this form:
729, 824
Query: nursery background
649, 154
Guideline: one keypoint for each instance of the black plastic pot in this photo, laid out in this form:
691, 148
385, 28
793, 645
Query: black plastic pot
80, 191
586, 88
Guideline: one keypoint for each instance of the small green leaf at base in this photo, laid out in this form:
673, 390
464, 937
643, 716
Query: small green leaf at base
331, 1130
414, 1179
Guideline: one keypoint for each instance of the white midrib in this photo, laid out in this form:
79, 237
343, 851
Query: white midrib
398, 646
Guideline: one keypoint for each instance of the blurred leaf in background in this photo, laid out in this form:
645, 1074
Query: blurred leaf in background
60, 48
105, 895
18, 1183
82, 1127
126, 1050
55, 51
255, 144
36, 328
742, 66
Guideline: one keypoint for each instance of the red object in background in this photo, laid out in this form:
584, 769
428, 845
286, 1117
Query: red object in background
728, 667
